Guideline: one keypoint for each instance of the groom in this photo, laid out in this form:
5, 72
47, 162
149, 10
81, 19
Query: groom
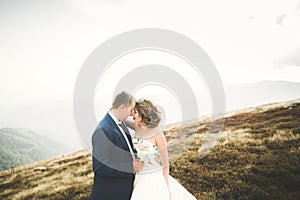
113, 159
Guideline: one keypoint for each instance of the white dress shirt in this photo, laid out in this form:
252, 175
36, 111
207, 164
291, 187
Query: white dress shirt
122, 131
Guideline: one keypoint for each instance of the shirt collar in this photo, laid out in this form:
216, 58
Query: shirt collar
114, 118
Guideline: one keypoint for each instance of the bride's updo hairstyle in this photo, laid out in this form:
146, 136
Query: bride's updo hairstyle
148, 112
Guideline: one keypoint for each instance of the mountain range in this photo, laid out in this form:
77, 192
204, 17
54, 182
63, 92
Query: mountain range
20, 146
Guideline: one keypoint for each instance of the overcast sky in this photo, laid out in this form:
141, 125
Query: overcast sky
43, 44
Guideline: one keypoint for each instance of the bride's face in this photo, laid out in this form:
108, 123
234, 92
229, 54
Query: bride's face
136, 117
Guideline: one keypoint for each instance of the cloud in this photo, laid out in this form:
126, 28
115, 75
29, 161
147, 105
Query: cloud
298, 5
280, 19
291, 58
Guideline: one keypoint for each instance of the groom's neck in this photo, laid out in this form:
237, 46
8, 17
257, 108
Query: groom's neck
116, 113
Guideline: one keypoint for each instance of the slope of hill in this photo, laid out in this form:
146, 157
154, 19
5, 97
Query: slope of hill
20, 146
257, 157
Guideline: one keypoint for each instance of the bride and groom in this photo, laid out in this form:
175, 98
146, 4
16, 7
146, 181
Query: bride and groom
137, 168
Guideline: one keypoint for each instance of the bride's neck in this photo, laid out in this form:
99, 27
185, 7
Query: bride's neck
146, 132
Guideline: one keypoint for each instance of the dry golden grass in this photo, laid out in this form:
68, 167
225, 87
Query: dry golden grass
257, 157
63, 177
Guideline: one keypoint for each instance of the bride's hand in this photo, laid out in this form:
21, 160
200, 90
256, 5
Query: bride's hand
137, 165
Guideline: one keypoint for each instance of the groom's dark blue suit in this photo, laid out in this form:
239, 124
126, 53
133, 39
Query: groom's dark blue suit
112, 163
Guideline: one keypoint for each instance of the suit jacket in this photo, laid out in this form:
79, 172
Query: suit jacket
112, 163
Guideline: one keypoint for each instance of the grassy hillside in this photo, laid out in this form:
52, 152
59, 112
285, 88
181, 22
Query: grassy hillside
19, 147
257, 157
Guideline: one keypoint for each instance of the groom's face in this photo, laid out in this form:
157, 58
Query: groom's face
127, 111
130, 109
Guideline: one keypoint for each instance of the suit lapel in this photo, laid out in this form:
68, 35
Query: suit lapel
118, 132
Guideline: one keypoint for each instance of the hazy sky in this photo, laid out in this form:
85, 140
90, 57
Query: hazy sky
44, 43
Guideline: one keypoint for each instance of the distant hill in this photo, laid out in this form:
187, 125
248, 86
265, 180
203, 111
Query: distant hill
256, 157
21, 146
54, 118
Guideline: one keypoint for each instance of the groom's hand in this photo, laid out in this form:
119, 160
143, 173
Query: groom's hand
137, 165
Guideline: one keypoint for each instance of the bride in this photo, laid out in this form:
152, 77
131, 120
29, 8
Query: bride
154, 181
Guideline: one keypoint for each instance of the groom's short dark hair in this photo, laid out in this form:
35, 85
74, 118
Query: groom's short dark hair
123, 98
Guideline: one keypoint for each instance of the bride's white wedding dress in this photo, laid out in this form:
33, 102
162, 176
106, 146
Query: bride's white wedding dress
150, 183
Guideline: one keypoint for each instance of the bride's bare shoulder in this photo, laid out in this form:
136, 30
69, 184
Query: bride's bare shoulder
160, 139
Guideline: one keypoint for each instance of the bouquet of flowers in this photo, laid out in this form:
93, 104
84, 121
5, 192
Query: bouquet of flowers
146, 151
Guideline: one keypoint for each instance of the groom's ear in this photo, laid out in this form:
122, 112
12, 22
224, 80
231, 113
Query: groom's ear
122, 106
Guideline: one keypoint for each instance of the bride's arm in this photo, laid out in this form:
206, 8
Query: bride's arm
161, 143
130, 123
